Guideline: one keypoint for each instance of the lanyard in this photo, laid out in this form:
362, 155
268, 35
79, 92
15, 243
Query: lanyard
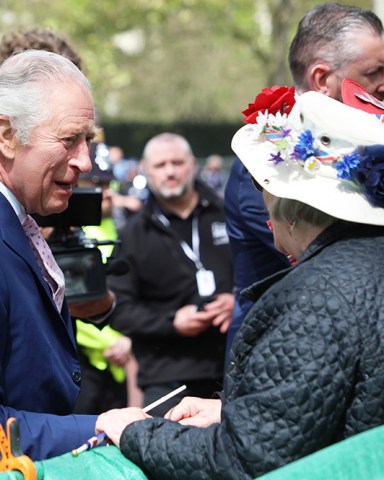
194, 252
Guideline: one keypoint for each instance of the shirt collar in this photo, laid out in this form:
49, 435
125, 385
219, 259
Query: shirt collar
16, 205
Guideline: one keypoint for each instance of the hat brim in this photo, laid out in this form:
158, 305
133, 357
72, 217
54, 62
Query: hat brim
340, 199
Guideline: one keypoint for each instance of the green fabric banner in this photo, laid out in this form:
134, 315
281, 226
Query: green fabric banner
97, 464
360, 457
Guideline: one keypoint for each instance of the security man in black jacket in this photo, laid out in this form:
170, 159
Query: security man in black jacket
176, 301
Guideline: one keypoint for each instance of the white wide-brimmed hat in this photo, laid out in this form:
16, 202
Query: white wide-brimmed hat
323, 153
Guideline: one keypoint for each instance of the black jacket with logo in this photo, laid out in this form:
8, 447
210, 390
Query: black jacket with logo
162, 279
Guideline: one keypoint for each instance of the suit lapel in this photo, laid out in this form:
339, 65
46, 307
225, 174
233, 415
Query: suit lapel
12, 234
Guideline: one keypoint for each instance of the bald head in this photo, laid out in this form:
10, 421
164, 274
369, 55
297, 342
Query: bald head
169, 165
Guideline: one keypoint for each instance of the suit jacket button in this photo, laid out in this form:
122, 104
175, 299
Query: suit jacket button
76, 377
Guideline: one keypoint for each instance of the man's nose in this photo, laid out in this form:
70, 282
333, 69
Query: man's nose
170, 170
380, 91
82, 157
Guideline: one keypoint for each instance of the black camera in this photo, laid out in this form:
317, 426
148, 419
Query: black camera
78, 256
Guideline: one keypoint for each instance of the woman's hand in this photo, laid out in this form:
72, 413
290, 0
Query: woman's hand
199, 412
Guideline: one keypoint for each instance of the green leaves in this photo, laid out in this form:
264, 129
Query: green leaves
180, 60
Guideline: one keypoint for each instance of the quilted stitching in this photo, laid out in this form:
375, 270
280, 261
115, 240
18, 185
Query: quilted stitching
307, 370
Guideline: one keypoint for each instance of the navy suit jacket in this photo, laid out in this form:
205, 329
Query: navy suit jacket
39, 370
253, 252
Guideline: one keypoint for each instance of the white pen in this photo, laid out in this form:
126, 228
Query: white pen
164, 398
101, 437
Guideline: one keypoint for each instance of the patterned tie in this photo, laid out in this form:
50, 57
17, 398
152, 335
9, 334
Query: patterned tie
46, 261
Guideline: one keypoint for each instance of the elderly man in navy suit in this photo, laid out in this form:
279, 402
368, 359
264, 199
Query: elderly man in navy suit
46, 124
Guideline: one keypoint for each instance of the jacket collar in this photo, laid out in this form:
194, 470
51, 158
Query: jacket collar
12, 234
15, 204
335, 232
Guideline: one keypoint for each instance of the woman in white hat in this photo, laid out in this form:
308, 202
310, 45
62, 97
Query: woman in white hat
307, 365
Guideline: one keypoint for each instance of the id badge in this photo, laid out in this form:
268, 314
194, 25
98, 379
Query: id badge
205, 282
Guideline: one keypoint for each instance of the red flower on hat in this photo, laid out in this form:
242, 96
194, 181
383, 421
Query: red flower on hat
275, 99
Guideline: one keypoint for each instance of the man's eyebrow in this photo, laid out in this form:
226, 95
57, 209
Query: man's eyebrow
91, 133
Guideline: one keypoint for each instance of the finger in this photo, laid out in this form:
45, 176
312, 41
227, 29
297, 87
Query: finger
225, 325
219, 319
178, 413
204, 316
214, 305
169, 414
192, 421
174, 414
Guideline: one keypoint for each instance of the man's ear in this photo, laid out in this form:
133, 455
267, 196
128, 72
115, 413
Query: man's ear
7, 138
319, 77
142, 168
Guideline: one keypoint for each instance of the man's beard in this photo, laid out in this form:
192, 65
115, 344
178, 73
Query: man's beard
174, 192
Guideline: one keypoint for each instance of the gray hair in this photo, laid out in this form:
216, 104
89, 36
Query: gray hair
324, 34
26, 81
287, 210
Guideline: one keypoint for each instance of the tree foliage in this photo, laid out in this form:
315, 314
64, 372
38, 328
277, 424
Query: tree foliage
167, 60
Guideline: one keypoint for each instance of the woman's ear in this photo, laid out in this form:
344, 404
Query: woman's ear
7, 138
291, 225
